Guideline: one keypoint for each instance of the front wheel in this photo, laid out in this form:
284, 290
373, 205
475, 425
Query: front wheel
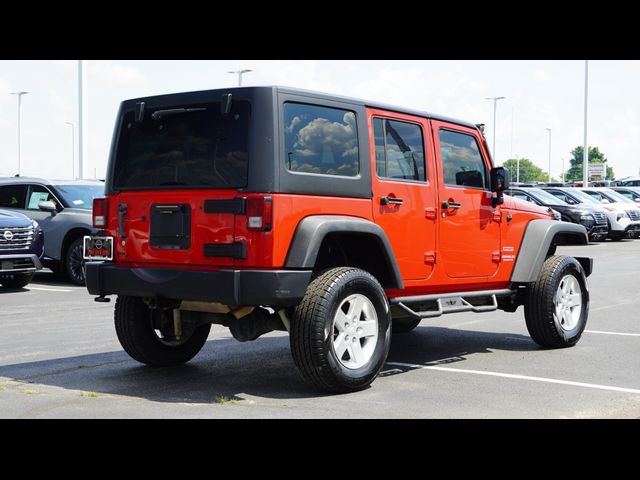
557, 307
16, 280
341, 331
148, 336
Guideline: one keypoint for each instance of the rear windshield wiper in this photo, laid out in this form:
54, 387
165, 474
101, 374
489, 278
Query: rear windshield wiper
158, 114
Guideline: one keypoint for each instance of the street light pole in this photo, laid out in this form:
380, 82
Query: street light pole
585, 153
19, 94
495, 105
239, 73
73, 151
549, 130
82, 117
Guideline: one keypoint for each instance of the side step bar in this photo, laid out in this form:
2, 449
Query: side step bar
451, 302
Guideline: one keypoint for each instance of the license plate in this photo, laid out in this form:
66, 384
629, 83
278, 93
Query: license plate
98, 248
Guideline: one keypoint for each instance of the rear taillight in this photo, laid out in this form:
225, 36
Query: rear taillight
100, 212
259, 213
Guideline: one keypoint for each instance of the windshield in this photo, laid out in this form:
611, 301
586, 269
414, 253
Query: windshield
80, 196
546, 197
583, 197
617, 197
178, 147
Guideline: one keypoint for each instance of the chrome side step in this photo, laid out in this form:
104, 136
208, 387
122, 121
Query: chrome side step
451, 302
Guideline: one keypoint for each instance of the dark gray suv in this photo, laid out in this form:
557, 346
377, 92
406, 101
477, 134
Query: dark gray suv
63, 210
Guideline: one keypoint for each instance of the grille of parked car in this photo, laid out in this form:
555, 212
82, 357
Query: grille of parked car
600, 218
15, 238
634, 214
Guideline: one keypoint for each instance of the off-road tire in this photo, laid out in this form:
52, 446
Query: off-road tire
539, 306
312, 332
137, 337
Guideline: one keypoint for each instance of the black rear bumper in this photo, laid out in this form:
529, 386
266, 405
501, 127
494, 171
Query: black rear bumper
231, 287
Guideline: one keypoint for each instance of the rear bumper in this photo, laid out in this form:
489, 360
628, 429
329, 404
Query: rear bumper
231, 287
19, 263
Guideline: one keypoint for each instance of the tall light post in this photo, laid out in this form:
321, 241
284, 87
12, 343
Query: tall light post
549, 130
73, 151
239, 73
495, 105
19, 94
82, 117
585, 153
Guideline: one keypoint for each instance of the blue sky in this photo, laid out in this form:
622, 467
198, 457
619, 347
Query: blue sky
540, 95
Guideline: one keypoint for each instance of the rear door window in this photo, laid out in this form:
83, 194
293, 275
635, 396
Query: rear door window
13, 196
184, 147
399, 150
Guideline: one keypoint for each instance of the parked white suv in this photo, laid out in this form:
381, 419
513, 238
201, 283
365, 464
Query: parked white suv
621, 225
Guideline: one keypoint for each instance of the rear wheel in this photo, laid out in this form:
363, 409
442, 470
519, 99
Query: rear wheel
148, 335
74, 263
340, 333
557, 307
404, 324
16, 280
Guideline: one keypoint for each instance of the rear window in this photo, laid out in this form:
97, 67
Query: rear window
183, 147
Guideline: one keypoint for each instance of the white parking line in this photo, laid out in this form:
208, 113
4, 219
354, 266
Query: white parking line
614, 333
49, 289
517, 377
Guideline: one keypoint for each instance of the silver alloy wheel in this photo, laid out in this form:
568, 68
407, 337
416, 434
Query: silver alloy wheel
355, 331
568, 303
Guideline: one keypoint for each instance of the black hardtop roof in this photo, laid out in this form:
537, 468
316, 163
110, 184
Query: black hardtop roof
186, 96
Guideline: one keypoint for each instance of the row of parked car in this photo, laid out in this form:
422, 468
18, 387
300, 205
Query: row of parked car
42, 224
605, 212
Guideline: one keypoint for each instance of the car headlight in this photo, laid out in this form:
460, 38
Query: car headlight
587, 220
35, 225
621, 215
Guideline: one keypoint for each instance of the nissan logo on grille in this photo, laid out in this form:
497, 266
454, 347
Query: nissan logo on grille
8, 235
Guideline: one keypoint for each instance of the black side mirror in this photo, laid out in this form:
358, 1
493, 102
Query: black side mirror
499, 183
499, 179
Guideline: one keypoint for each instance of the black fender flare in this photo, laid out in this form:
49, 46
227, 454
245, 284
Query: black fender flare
536, 241
312, 230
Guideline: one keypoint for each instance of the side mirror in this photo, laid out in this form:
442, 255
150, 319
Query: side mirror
499, 179
604, 200
638, 200
48, 206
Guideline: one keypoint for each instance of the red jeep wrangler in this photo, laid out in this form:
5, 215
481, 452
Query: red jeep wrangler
335, 219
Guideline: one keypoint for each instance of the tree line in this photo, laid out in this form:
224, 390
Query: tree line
530, 172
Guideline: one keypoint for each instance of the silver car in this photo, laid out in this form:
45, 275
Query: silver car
63, 210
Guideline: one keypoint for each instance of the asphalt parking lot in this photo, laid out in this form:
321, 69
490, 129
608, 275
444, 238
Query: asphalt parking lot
60, 358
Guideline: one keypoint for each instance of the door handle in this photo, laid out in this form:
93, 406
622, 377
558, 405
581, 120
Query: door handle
391, 201
446, 205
